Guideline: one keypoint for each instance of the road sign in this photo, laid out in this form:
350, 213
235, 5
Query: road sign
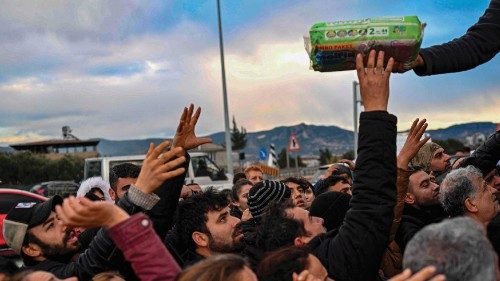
262, 153
293, 145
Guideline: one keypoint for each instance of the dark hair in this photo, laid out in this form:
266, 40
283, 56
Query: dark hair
215, 268
277, 229
305, 184
325, 184
192, 214
125, 170
228, 193
281, 264
238, 176
237, 187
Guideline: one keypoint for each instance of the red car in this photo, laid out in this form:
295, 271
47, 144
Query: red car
8, 199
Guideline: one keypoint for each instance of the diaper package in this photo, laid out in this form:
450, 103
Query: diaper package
332, 46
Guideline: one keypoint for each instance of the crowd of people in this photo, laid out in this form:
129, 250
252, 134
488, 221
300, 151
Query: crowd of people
412, 216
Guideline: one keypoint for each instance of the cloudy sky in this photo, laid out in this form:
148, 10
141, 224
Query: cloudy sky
125, 69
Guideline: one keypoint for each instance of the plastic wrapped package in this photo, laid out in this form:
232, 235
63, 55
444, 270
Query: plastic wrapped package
332, 46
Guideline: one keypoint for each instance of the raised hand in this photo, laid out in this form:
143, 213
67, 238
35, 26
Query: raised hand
185, 136
332, 169
374, 81
81, 212
349, 163
158, 167
413, 143
426, 274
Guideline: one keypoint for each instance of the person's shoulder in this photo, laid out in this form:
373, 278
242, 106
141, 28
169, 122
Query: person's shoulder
46, 265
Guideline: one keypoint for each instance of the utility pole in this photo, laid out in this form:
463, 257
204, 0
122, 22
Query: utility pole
229, 150
355, 100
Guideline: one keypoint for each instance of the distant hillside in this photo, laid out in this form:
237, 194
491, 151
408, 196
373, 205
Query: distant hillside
310, 137
460, 131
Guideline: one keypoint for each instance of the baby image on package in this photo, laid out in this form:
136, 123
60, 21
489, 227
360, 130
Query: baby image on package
332, 46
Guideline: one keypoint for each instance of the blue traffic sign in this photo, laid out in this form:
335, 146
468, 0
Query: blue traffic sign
262, 153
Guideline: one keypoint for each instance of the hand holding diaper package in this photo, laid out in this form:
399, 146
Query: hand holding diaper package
332, 46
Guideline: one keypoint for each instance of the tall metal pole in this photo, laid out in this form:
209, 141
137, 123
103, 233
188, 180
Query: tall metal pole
229, 150
355, 116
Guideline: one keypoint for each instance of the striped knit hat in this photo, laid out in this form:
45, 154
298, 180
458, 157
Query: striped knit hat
263, 193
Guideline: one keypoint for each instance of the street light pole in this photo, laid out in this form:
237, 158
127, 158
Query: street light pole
229, 150
355, 101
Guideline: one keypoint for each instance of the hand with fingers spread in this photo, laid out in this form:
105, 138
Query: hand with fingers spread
304, 276
160, 166
81, 212
413, 143
185, 136
426, 274
374, 81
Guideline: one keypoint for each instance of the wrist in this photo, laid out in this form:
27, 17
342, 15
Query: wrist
116, 217
143, 186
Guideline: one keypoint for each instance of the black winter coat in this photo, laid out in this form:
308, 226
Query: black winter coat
479, 45
355, 252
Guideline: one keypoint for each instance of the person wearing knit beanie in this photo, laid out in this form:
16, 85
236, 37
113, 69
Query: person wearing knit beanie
263, 193
431, 157
331, 207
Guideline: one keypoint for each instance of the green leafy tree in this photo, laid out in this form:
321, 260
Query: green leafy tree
348, 155
238, 136
26, 168
282, 160
325, 156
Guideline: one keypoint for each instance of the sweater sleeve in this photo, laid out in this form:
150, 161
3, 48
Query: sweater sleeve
140, 245
478, 45
355, 253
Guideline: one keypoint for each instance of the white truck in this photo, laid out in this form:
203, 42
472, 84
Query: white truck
202, 170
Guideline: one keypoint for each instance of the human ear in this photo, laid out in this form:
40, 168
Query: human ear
200, 239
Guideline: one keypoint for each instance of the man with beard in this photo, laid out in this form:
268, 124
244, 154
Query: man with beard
34, 231
421, 207
432, 158
204, 227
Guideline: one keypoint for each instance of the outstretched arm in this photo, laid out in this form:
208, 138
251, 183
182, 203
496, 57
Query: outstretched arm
134, 236
355, 253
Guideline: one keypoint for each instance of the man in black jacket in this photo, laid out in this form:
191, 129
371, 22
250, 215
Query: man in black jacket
421, 207
355, 250
480, 44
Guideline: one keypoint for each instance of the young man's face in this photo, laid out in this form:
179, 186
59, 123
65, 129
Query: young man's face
122, 185
254, 176
55, 238
485, 200
222, 226
298, 194
343, 185
243, 197
425, 192
313, 225
309, 194
493, 179
440, 160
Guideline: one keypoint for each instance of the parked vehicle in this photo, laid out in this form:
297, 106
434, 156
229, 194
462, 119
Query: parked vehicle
8, 199
51, 188
202, 170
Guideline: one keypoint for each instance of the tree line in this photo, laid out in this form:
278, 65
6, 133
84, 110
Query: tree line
26, 168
